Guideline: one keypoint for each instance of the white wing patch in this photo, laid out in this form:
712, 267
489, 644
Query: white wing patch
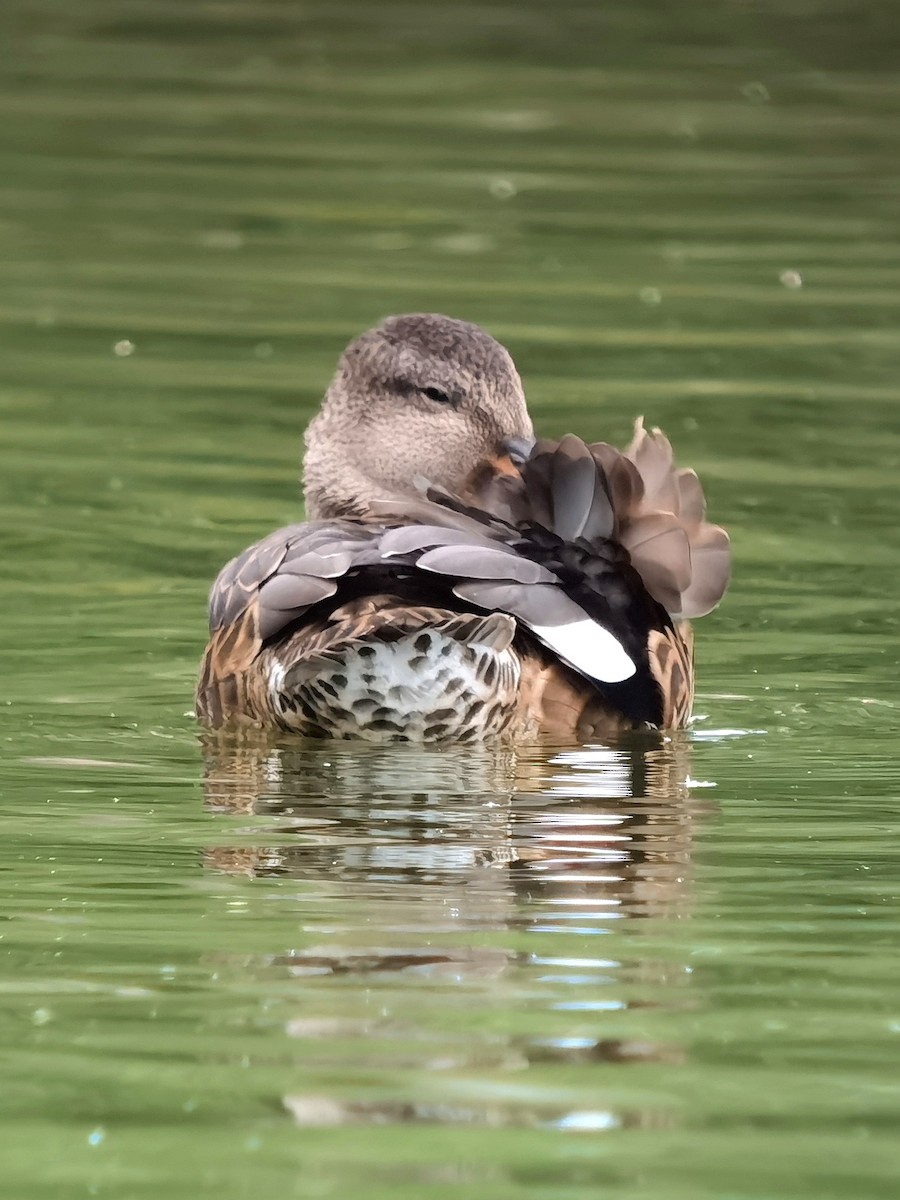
589, 648
277, 672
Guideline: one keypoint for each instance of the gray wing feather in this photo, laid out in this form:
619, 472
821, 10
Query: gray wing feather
533, 604
560, 624
575, 482
409, 538
314, 552
287, 596
287, 592
477, 562
239, 580
420, 510
301, 565
322, 565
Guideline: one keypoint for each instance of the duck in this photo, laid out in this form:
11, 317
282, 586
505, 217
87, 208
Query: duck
458, 579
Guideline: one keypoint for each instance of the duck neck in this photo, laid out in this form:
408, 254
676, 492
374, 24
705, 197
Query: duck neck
343, 495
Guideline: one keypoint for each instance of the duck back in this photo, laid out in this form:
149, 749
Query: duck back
551, 599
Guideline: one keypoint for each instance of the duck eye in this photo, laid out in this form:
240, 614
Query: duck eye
436, 395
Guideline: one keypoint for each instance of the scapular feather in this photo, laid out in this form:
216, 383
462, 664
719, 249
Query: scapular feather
574, 483
590, 551
477, 562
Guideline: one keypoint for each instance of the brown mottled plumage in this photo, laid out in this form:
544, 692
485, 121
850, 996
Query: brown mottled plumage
444, 590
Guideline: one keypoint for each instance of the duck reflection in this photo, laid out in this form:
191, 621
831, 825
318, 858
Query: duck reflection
460, 867
566, 837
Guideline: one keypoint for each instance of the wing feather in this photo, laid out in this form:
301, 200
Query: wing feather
478, 562
558, 623
575, 480
576, 550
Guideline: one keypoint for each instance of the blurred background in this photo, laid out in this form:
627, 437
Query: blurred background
685, 210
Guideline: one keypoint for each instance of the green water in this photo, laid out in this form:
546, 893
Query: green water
318, 971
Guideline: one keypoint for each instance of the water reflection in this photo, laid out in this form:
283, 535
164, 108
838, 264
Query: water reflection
564, 838
480, 878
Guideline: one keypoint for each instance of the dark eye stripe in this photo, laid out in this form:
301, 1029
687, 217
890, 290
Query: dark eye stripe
404, 387
437, 395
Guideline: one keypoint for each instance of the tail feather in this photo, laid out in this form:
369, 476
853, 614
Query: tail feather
637, 498
701, 571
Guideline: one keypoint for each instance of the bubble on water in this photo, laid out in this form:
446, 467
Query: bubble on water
516, 120
687, 130
96, 1136
791, 279
223, 239
756, 92
502, 189
464, 243
675, 252
41, 1016
263, 349
123, 349
650, 295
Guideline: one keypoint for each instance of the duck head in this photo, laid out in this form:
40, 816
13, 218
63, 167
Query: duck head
418, 396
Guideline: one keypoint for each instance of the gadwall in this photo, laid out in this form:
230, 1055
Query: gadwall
457, 580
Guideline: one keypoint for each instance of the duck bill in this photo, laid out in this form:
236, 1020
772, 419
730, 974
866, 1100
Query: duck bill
505, 464
500, 464
511, 456
516, 451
